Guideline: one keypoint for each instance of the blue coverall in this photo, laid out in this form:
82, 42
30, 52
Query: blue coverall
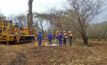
57, 39
60, 39
50, 38
39, 38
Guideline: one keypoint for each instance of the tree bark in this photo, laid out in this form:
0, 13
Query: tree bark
84, 38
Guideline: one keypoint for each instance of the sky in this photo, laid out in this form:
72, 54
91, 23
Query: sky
11, 7
16, 7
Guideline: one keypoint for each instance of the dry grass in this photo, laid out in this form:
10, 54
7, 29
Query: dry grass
77, 54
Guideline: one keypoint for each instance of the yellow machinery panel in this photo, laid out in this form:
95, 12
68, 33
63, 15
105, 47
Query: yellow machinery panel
9, 32
5, 31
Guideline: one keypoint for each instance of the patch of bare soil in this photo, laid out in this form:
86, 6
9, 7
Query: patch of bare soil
27, 54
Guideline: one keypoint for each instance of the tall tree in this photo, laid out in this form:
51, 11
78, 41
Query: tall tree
82, 13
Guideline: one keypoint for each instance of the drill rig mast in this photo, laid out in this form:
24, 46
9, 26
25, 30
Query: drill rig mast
30, 17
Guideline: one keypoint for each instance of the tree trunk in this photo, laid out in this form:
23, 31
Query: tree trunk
85, 38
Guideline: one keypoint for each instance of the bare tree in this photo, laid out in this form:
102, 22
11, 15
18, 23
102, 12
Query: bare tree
98, 31
22, 19
82, 13
39, 24
55, 18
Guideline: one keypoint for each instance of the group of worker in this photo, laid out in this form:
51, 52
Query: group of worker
60, 38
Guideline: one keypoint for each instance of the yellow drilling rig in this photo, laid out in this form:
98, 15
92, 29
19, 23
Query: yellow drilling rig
12, 33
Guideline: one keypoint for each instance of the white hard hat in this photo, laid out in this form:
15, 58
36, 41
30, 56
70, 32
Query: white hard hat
63, 31
69, 31
57, 31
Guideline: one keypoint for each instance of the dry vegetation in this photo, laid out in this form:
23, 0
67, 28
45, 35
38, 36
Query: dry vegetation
77, 54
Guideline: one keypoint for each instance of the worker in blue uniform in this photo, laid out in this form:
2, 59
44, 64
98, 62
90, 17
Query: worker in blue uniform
50, 38
60, 36
39, 38
57, 37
